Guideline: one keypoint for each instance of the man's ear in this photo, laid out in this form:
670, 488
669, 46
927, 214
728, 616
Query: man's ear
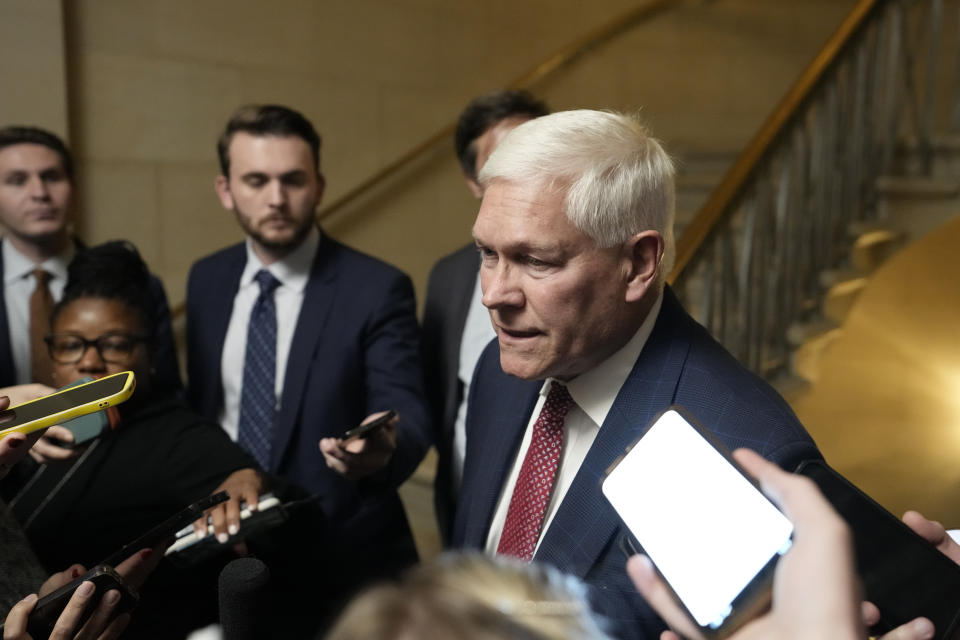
222, 186
474, 186
321, 186
645, 251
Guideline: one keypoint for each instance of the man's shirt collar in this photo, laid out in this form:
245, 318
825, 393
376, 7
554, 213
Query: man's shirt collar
17, 266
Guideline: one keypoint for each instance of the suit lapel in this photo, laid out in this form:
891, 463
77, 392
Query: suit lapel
8, 374
491, 449
585, 524
318, 299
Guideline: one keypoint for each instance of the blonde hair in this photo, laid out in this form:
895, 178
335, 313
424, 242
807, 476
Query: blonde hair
473, 597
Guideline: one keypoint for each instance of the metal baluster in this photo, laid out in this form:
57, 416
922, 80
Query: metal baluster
891, 99
955, 119
926, 119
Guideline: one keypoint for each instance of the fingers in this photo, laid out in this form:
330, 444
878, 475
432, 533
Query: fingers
57, 580
917, 629
335, 455
798, 496
934, 533
58, 432
24, 393
12, 449
69, 620
47, 450
248, 490
100, 618
218, 518
15, 626
869, 613
137, 568
200, 527
655, 591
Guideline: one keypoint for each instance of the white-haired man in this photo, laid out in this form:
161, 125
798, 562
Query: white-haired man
575, 237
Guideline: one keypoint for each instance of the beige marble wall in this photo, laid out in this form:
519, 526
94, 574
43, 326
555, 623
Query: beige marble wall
32, 77
152, 83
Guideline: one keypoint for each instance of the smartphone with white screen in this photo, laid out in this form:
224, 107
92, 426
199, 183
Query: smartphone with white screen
707, 528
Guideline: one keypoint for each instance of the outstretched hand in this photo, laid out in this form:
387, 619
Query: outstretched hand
815, 590
361, 457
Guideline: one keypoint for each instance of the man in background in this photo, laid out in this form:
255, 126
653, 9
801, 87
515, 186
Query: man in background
36, 210
293, 338
456, 326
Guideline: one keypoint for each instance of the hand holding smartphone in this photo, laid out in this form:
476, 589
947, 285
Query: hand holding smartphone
903, 574
67, 403
366, 429
50, 609
709, 531
356, 454
816, 593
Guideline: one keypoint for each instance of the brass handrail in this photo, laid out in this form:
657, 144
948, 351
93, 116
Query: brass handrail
553, 63
731, 187
565, 56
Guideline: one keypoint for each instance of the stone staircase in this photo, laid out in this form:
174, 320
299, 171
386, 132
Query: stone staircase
909, 206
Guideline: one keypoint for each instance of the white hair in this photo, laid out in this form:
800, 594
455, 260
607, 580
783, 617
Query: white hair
618, 179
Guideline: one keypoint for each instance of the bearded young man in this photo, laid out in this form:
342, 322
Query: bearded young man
293, 338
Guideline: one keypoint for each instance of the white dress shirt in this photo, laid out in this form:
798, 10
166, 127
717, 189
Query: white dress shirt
477, 334
594, 393
18, 286
293, 272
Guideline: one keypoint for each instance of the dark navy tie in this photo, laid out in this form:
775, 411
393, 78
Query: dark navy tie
258, 396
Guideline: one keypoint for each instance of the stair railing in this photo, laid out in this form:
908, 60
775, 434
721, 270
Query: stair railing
748, 265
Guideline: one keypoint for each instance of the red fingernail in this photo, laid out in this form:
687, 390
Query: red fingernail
75, 573
146, 553
15, 443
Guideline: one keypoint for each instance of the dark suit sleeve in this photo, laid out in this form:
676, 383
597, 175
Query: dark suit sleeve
394, 377
201, 456
167, 376
194, 395
432, 351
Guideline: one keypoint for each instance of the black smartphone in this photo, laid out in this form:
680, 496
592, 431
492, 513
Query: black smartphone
67, 403
168, 528
709, 531
365, 430
903, 574
104, 578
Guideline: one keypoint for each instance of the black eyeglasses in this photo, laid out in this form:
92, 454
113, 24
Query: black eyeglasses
68, 348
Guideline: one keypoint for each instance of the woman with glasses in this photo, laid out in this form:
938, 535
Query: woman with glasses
155, 458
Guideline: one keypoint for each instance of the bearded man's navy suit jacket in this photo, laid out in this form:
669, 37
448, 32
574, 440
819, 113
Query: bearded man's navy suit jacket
680, 364
355, 351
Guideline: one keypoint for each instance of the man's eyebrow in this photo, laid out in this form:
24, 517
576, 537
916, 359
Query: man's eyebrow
525, 247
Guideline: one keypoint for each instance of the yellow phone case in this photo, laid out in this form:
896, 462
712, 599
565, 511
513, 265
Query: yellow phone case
62, 415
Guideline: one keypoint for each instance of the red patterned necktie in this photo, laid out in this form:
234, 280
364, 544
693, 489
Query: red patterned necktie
531, 494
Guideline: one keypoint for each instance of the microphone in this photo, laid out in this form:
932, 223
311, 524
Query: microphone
244, 584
